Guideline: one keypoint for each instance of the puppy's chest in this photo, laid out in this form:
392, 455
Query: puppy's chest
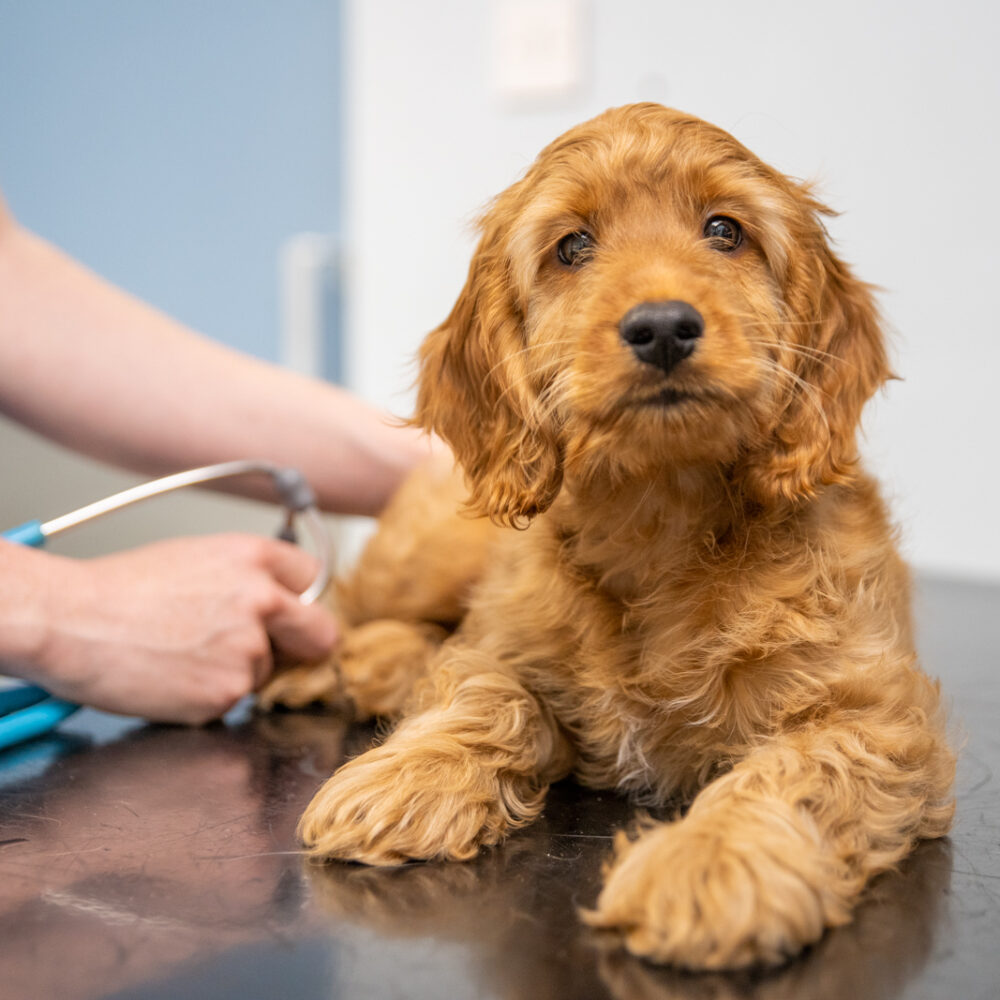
652, 706
650, 686
655, 671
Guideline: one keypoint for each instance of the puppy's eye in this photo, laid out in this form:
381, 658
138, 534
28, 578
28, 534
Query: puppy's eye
575, 248
724, 233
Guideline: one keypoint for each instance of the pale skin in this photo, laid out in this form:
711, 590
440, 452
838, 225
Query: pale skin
181, 630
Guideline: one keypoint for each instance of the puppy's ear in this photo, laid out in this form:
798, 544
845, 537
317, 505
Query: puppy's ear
476, 390
835, 369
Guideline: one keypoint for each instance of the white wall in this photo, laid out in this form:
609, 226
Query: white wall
892, 106
172, 148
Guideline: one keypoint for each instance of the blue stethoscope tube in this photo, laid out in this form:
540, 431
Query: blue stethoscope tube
29, 533
26, 710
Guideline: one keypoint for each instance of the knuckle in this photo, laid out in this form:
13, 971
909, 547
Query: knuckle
268, 599
260, 594
250, 550
254, 548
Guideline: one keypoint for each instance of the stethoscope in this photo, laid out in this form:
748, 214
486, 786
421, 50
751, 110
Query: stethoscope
26, 710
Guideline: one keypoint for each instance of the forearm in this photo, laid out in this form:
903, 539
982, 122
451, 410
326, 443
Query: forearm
101, 372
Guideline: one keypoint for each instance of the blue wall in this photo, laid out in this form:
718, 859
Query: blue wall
173, 145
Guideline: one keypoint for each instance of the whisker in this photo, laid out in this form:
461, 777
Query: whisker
747, 319
527, 376
810, 353
809, 392
527, 350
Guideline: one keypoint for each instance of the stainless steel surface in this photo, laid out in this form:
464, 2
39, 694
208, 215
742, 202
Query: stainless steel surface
154, 862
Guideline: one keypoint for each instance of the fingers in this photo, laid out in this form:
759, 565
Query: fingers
262, 667
300, 631
291, 566
303, 632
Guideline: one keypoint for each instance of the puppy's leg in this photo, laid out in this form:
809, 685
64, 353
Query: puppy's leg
425, 558
302, 684
372, 672
473, 763
778, 849
414, 576
381, 662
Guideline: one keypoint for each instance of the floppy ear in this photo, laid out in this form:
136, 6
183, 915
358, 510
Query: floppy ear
838, 361
476, 390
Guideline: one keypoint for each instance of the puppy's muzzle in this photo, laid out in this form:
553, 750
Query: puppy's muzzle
662, 333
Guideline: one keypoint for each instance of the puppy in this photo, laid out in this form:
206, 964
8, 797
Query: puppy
690, 590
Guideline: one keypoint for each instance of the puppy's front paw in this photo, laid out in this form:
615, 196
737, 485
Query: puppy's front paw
416, 801
299, 686
705, 895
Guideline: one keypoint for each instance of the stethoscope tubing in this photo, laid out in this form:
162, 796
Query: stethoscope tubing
28, 711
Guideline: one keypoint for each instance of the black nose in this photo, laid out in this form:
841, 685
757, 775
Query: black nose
662, 333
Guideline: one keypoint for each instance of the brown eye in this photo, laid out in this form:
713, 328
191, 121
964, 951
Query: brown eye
575, 248
724, 233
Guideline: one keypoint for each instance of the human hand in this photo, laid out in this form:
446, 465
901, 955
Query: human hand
180, 630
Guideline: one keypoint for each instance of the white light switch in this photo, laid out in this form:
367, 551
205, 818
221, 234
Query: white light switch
537, 48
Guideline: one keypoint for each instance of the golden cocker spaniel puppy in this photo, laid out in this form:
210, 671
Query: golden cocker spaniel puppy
655, 371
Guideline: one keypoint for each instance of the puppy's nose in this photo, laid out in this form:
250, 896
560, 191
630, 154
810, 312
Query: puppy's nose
662, 333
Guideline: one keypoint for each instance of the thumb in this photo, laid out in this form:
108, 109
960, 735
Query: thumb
301, 631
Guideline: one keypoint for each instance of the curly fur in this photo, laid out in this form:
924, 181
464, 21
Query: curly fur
705, 604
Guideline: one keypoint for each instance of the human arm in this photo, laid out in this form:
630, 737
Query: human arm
95, 369
180, 630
